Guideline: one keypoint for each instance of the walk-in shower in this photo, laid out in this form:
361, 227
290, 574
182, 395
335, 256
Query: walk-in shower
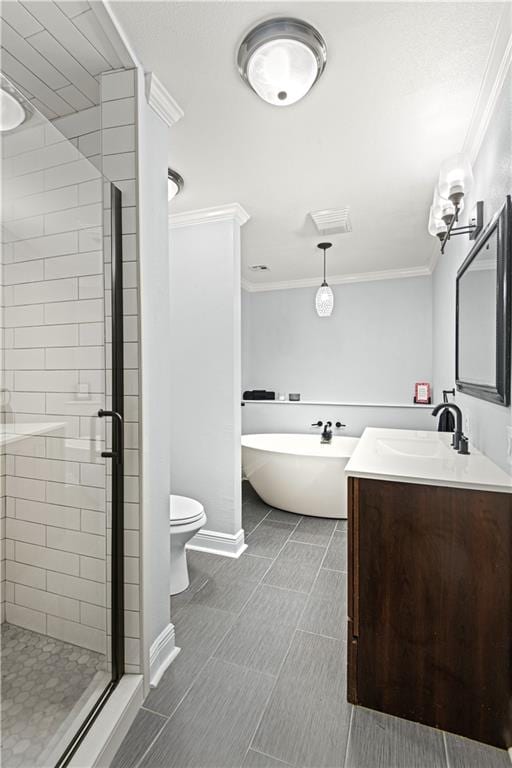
61, 437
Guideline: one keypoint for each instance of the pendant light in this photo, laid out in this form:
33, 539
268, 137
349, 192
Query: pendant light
324, 301
281, 59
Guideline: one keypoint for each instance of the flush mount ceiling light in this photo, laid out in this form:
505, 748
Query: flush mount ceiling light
281, 59
324, 301
175, 184
12, 114
455, 180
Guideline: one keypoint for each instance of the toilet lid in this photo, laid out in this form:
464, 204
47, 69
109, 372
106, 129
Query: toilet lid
184, 510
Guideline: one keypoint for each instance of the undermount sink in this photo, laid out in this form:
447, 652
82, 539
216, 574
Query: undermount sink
421, 448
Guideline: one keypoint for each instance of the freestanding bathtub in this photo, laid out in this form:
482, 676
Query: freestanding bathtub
298, 473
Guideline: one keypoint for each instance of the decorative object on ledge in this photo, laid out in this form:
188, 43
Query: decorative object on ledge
281, 59
258, 394
324, 300
455, 179
422, 394
175, 184
294, 397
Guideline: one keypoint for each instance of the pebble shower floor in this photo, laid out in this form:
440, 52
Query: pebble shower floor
44, 683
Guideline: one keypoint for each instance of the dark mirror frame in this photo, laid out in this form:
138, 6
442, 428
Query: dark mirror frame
500, 393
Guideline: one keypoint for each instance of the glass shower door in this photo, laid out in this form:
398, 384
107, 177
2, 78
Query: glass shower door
59, 584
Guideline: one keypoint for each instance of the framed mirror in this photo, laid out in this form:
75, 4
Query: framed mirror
483, 314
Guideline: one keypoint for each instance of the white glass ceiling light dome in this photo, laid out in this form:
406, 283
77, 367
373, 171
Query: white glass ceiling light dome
324, 301
281, 59
175, 184
12, 113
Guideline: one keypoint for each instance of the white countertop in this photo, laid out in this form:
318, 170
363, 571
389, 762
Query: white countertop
411, 456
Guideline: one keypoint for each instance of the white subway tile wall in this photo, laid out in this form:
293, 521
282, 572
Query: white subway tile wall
55, 319
54, 508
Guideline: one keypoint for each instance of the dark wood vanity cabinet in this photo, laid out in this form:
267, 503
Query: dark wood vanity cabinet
430, 605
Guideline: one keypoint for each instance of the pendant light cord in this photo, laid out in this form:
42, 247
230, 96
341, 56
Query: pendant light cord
324, 283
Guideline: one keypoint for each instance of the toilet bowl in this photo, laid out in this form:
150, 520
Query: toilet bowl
186, 517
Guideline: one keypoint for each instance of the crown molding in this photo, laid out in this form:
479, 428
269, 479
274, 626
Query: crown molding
434, 258
230, 212
360, 277
161, 101
496, 70
114, 33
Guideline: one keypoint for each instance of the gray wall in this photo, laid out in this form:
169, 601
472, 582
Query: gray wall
493, 181
373, 348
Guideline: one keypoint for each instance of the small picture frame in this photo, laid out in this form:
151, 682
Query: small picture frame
422, 394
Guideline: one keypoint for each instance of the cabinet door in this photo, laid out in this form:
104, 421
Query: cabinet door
353, 590
434, 629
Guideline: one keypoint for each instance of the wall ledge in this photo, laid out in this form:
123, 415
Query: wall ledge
336, 402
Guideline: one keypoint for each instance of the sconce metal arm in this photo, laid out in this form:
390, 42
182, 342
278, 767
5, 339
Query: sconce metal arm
473, 229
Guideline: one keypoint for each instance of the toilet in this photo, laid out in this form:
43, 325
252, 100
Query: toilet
186, 517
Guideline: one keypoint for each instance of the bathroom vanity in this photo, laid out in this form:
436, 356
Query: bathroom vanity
429, 581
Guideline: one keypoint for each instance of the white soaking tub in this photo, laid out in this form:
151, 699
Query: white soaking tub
298, 473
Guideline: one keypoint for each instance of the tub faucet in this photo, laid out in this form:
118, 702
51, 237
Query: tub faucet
458, 434
327, 433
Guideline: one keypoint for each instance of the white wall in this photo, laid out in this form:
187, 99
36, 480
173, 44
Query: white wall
493, 181
155, 369
373, 348
206, 362
284, 417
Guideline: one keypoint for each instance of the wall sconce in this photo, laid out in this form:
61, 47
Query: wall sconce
455, 179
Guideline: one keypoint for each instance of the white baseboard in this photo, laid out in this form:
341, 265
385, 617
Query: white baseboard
226, 544
162, 653
104, 738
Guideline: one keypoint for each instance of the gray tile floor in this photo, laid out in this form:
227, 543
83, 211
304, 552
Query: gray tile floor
260, 681
44, 683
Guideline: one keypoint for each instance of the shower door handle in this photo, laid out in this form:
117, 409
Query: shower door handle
116, 417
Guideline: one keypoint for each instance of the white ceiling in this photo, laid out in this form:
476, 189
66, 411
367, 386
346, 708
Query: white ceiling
396, 98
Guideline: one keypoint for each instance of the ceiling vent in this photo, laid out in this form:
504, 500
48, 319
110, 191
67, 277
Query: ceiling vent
332, 221
259, 268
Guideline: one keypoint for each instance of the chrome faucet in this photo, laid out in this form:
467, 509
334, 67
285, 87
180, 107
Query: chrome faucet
458, 435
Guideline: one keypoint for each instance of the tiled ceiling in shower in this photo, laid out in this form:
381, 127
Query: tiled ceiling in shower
55, 52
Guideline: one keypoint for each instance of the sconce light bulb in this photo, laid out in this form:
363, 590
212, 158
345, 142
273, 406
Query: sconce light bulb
455, 178
436, 226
